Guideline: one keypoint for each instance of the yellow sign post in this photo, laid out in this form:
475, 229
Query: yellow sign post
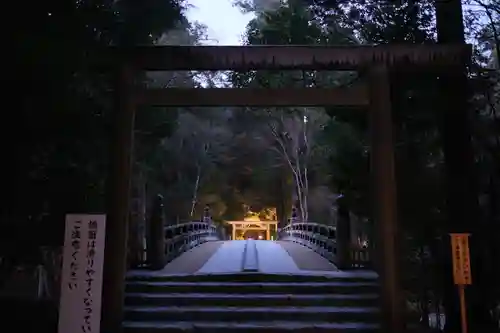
461, 270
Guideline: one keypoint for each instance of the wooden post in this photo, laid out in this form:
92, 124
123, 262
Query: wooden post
463, 308
156, 244
234, 232
294, 217
343, 236
206, 215
268, 231
119, 178
384, 197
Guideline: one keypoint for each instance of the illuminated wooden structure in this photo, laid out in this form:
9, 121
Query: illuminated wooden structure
374, 63
242, 226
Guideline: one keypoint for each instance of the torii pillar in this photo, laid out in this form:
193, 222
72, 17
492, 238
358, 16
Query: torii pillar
120, 174
385, 198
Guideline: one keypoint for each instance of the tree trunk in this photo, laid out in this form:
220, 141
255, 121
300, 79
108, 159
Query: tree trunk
298, 191
195, 192
306, 195
462, 203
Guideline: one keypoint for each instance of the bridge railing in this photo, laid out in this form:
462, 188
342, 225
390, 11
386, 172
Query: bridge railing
318, 237
324, 240
168, 241
360, 257
183, 237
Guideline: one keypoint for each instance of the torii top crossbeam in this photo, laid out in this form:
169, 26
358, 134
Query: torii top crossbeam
284, 57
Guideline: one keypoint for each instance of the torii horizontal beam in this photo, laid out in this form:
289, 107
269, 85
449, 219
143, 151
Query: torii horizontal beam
355, 96
251, 228
284, 57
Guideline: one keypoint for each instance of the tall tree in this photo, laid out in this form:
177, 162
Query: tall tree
291, 132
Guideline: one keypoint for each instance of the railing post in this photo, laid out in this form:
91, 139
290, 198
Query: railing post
207, 219
206, 215
343, 235
293, 220
156, 245
294, 217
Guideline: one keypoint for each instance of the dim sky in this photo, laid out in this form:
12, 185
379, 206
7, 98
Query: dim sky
225, 23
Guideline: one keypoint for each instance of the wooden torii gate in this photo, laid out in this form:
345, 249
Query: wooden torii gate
373, 62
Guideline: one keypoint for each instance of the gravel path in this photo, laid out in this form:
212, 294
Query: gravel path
306, 259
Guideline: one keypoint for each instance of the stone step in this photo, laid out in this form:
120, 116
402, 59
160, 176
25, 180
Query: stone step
354, 276
241, 314
252, 302
249, 327
336, 287
242, 300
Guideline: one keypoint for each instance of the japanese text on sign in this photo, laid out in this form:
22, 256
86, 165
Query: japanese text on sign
75, 250
89, 276
80, 307
461, 259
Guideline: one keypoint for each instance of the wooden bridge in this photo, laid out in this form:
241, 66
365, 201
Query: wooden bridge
285, 256
298, 282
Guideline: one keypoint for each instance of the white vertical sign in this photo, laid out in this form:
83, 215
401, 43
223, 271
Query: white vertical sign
81, 279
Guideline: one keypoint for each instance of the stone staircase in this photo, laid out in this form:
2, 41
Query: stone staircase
251, 302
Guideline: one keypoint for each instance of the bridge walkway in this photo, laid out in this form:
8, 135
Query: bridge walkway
267, 257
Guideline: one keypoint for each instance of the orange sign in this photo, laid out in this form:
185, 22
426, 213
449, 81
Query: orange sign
461, 259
